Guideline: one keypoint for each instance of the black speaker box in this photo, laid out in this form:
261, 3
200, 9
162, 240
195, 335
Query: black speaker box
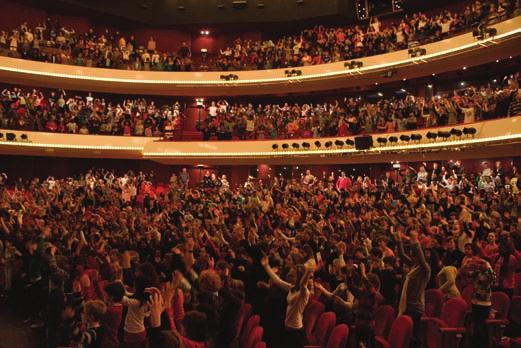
364, 142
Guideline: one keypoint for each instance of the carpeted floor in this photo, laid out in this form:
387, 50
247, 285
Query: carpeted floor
14, 333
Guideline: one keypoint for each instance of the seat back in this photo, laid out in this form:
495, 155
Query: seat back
500, 304
384, 317
433, 302
401, 332
253, 322
313, 310
453, 312
255, 337
467, 294
242, 317
515, 310
322, 330
339, 337
517, 290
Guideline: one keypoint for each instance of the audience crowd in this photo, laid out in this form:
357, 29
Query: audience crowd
105, 261
51, 42
356, 115
59, 112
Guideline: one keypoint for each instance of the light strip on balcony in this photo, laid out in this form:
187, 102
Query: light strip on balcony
433, 145
73, 147
422, 59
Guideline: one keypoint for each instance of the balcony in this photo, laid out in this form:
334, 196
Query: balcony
447, 55
495, 138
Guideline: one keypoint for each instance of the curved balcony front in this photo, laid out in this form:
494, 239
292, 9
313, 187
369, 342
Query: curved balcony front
446, 55
494, 138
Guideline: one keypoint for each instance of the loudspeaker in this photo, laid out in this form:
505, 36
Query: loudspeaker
364, 142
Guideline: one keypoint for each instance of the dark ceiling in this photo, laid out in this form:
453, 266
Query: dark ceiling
267, 15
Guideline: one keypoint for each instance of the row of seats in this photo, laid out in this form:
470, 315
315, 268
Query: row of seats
444, 324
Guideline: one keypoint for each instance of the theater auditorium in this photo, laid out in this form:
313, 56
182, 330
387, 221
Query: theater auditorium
260, 174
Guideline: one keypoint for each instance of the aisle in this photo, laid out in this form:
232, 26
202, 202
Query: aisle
14, 333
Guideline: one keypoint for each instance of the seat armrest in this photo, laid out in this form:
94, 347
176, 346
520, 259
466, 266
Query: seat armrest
452, 330
495, 322
381, 342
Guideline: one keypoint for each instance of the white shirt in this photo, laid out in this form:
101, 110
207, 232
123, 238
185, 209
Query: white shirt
297, 301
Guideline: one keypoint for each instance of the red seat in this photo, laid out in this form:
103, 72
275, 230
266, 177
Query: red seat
515, 310
433, 302
447, 330
400, 335
260, 345
252, 323
496, 326
517, 290
384, 317
322, 329
254, 337
242, 318
339, 337
313, 310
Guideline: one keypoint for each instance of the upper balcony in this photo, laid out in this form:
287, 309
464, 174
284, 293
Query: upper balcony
447, 55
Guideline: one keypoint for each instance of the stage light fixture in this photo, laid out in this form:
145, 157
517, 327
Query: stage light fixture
416, 137
275, 146
328, 144
417, 52
469, 131
431, 135
381, 141
353, 65
350, 142
229, 77
285, 146
393, 139
405, 138
318, 144
10, 137
443, 134
456, 132
293, 73
339, 143
306, 145
296, 146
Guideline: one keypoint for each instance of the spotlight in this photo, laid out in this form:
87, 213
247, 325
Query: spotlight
10, 136
417, 52
306, 145
339, 143
393, 139
443, 134
293, 73
275, 146
381, 141
285, 146
229, 77
469, 131
328, 144
318, 143
350, 142
456, 132
24, 137
353, 65
1, 136
416, 137
431, 135
295, 145
405, 138
482, 32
